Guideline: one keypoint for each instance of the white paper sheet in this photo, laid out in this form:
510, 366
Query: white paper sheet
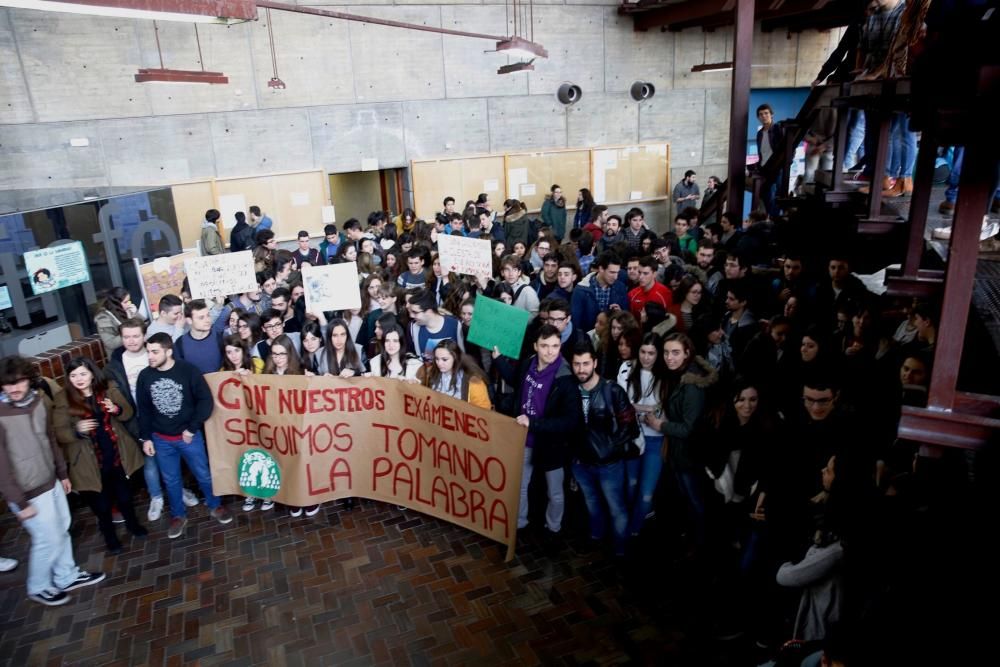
228, 207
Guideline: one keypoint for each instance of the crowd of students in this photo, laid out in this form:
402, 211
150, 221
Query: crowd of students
700, 374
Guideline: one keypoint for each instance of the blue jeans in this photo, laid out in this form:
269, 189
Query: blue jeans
604, 485
557, 499
855, 139
151, 472
951, 192
50, 560
168, 456
643, 475
902, 147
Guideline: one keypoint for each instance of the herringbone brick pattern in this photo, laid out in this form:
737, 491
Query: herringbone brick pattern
369, 586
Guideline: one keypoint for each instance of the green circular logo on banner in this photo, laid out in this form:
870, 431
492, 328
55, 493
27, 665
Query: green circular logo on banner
260, 476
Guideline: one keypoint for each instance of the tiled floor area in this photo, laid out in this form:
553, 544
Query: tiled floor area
372, 585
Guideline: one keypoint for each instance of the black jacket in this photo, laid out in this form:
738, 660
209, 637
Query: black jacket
561, 421
115, 370
611, 426
241, 238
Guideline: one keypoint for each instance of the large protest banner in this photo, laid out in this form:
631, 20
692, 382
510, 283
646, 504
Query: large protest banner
160, 277
221, 275
307, 440
463, 255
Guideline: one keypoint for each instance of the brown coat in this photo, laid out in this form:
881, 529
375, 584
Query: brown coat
84, 472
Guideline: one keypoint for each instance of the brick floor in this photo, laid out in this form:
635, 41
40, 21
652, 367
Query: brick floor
372, 585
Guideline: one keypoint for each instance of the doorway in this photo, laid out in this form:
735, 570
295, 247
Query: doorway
356, 194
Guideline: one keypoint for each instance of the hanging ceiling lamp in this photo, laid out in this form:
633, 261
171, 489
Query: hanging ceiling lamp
275, 82
163, 75
521, 43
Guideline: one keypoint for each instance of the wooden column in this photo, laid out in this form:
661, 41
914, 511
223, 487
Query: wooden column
882, 122
974, 195
840, 147
740, 105
923, 184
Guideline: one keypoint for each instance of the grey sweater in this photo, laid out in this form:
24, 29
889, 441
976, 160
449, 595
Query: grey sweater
819, 575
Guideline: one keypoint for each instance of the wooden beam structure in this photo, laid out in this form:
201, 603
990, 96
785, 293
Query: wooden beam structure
739, 104
712, 14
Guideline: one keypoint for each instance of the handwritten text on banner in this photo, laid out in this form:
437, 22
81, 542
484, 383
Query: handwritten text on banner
372, 438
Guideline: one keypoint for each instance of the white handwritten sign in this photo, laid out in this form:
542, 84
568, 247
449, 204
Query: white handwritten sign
221, 275
331, 287
464, 255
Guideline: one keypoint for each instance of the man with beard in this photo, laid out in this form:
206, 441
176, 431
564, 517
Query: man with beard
174, 401
599, 453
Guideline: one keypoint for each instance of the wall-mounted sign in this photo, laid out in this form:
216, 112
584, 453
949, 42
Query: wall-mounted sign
56, 267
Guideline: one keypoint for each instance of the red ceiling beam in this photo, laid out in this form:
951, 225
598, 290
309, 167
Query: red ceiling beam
236, 9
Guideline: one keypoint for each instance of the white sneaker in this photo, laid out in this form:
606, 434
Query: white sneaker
267, 505
190, 499
295, 511
7, 564
249, 504
155, 508
988, 230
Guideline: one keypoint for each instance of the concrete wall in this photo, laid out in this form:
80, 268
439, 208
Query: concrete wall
357, 91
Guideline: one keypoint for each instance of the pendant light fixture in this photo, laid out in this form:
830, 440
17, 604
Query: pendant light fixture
275, 82
163, 75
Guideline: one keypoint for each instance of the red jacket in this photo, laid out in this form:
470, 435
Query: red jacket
659, 293
595, 231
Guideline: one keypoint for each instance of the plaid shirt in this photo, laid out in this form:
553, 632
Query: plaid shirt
877, 35
633, 239
603, 295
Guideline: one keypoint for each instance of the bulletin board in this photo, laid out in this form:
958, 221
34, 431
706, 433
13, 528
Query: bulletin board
615, 175
461, 178
293, 201
631, 173
191, 200
530, 175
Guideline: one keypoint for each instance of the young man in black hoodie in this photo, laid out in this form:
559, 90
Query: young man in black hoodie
174, 401
241, 238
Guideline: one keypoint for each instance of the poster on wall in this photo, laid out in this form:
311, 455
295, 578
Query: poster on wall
229, 206
56, 267
160, 277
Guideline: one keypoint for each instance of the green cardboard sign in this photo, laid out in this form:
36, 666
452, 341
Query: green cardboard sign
495, 324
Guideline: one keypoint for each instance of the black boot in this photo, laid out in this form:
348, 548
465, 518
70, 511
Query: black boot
111, 540
132, 522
